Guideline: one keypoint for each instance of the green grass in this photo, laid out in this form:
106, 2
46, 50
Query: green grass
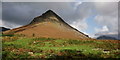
6, 35
23, 47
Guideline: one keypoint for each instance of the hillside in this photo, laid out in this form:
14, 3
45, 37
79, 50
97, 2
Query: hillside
48, 25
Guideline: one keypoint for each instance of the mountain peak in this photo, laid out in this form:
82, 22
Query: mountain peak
49, 11
47, 16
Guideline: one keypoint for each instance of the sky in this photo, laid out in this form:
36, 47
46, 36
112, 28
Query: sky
93, 17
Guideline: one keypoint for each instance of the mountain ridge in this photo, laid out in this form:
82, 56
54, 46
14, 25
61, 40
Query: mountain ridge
106, 37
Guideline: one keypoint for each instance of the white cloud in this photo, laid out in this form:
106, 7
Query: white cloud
80, 25
110, 21
101, 30
9, 25
107, 16
0, 23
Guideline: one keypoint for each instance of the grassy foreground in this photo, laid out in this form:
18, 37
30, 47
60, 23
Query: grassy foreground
22, 47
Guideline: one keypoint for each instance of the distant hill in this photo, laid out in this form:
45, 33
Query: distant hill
49, 24
3, 29
107, 37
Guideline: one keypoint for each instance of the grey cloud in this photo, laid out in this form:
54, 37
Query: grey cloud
85, 10
22, 13
119, 19
0, 10
107, 15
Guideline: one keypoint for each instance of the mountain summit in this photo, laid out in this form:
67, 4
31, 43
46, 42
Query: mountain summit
47, 16
49, 25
